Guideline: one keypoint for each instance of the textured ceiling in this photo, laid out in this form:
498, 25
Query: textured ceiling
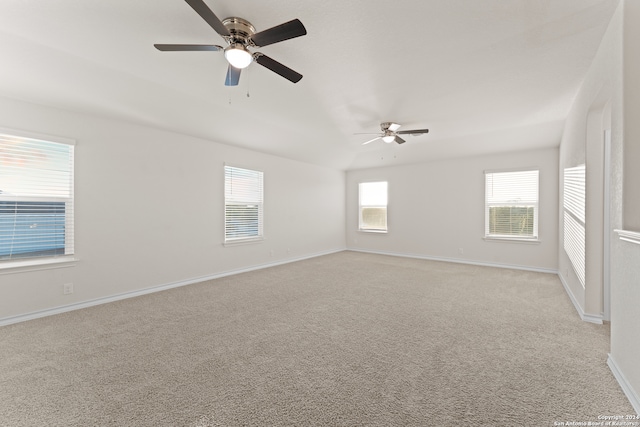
483, 75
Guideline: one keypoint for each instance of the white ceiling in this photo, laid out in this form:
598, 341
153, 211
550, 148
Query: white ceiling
482, 75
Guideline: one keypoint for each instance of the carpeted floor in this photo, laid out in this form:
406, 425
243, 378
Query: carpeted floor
348, 339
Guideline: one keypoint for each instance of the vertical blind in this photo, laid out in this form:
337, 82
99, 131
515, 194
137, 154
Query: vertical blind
243, 204
36, 198
575, 218
511, 204
373, 206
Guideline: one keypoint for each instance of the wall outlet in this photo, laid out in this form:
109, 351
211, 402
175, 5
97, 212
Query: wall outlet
288, 250
460, 251
67, 288
272, 252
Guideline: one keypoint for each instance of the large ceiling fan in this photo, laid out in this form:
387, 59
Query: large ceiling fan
240, 35
390, 133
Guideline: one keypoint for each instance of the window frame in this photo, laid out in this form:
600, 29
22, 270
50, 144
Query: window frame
535, 237
28, 263
260, 226
361, 226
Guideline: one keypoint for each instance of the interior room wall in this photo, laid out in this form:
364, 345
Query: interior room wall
625, 285
149, 210
631, 72
601, 94
436, 210
597, 107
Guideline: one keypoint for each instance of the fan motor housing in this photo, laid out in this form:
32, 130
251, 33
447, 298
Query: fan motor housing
241, 30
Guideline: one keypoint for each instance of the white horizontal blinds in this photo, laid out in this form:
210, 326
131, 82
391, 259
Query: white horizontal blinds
373, 206
243, 193
574, 191
574, 245
511, 204
36, 198
575, 218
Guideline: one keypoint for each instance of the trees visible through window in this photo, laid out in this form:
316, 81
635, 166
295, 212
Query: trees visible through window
373, 206
36, 198
511, 204
243, 204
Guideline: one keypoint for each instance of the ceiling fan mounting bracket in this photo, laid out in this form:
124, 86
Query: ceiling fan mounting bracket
389, 126
240, 31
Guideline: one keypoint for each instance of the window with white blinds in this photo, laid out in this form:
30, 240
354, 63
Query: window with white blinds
511, 205
36, 198
574, 218
243, 204
372, 206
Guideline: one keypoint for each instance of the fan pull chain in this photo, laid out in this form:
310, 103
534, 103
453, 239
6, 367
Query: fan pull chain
248, 82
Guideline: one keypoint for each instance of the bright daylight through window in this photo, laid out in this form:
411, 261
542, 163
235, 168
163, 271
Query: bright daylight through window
36, 198
373, 206
243, 204
511, 205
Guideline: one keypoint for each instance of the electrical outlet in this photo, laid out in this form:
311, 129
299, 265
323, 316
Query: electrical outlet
272, 252
288, 250
460, 251
67, 288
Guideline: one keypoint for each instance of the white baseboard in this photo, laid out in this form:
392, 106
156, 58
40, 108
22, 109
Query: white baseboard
460, 261
591, 318
633, 397
91, 303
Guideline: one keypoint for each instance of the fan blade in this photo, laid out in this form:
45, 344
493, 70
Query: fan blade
394, 127
233, 76
282, 32
371, 140
203, 10
400, 140
186, 47
278, 68
413, 132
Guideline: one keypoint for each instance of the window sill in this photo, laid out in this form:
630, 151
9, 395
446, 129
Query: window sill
20, 266
374, 231
240, 242
513, 240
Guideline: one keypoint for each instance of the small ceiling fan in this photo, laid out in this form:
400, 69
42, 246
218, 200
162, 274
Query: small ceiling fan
390, 133
241, 35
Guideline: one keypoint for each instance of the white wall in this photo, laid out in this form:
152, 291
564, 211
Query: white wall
150, 209
437, 208
596, 107
600, 104
625, 282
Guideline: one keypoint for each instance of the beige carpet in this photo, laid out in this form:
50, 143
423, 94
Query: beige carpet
348, 339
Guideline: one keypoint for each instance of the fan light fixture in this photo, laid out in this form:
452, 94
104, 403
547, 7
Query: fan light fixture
238, 56
388, 138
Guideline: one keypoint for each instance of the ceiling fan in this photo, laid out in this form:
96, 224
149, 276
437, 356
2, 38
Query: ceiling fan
390, 133
240, 35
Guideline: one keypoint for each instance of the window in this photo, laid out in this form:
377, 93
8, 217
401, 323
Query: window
373, 206
511, 205
574, 218
36, 198
243, 204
